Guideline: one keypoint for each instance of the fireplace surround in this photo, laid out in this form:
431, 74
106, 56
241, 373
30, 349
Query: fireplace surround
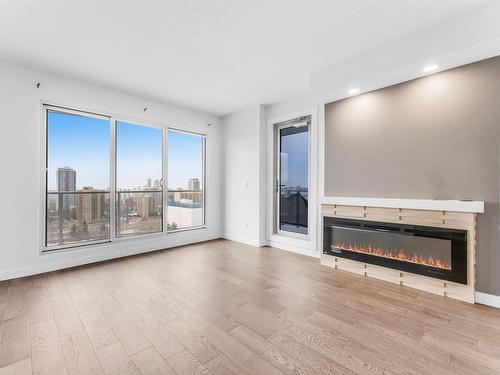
435, 252
423, 244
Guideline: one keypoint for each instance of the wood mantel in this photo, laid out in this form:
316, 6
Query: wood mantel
464, 219
418, 204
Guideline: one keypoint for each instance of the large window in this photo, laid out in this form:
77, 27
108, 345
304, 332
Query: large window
292, 175
185, 180
104, 179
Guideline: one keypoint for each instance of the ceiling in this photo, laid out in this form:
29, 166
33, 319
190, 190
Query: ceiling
216, 57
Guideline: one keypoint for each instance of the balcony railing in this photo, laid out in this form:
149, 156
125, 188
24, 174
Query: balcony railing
84, 215
139, 212
294, 208
77, 216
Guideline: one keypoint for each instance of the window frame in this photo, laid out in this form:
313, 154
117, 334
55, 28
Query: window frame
113, 120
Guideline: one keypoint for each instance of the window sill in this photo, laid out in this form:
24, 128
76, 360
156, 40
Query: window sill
132, 239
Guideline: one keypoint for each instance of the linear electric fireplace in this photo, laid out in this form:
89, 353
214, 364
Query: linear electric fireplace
430, 251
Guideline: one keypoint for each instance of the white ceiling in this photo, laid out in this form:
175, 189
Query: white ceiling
216, 57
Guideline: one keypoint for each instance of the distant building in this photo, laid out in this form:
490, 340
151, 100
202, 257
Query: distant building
66, 181
194, 184
149, 183
146, 206
156, 184
90, 207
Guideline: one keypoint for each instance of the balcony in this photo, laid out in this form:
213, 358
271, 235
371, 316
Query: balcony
293, 210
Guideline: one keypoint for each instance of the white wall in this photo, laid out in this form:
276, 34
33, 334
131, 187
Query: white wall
449, 44
21, 161
244, 184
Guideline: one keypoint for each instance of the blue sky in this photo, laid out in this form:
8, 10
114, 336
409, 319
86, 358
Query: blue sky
138, 155
82, 143
294, 159
185, 158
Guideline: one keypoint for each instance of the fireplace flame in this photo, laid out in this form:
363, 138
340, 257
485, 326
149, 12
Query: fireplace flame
399, 255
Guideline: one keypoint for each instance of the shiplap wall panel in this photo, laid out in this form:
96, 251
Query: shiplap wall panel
443, 219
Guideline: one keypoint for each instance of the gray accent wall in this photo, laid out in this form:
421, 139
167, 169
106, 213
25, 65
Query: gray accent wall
434, 137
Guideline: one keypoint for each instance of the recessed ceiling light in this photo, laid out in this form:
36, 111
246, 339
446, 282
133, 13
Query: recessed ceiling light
430, 68
354, 91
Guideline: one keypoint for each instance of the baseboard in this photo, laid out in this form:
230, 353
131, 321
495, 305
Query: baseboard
242, 239
295, 249
488, 299
118, 251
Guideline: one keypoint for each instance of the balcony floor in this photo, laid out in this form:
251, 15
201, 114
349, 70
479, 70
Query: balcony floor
225, 308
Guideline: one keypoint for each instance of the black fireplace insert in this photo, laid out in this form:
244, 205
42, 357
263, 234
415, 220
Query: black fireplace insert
431, 251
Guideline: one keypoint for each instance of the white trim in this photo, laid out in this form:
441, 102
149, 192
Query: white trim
308, 242
321, 150
242, 239
164, 175
487, 299
115, 250
295, 249
112, 178
42, 183
321, 174
419, 204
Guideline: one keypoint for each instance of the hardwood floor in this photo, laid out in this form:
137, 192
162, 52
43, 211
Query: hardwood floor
225, 308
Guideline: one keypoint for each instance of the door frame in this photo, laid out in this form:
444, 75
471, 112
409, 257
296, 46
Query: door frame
304, 244
277, 179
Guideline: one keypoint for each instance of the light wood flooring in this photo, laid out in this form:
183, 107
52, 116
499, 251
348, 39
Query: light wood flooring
225, 308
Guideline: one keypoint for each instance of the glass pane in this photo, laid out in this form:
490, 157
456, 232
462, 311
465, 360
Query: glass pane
432, 252
77, 178
73, 218
139, 207
293, 178
139, 213
185, 180
138, 157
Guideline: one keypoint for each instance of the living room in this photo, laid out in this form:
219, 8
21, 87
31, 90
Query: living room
250, 187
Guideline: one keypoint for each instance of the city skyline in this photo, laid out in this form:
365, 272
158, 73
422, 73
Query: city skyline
192, 183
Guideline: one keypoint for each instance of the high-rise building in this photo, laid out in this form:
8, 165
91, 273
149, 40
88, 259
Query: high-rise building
66, 181
146, 206
194, 184
90, 207
149, 183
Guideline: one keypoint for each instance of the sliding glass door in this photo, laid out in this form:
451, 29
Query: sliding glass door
139, 195
292, 175
104, 179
